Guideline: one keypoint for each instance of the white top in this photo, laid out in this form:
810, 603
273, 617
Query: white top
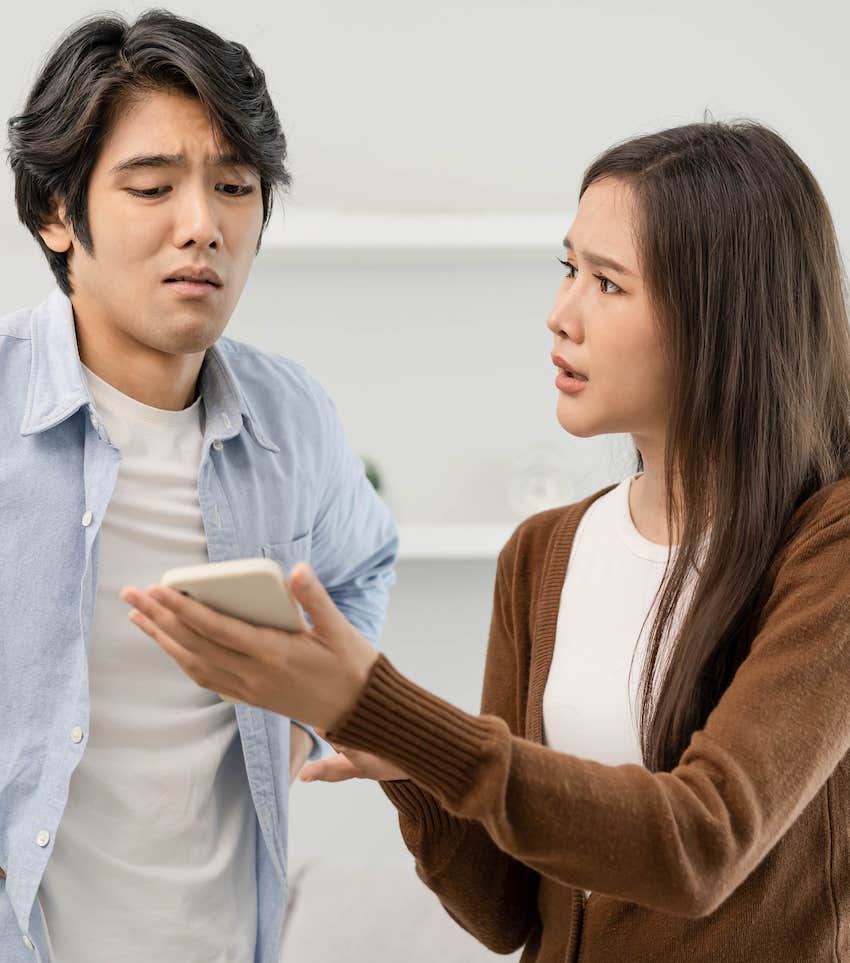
154, 856
590, 705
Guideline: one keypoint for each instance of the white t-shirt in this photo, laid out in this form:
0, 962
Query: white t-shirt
154, 856
590, 705
612, 577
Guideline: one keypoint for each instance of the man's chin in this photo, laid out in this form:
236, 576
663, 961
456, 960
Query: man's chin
192, 335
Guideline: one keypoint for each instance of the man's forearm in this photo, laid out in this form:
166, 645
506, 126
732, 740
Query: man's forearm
300, 745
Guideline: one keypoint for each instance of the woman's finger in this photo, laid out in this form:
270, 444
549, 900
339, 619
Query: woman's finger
202, 671
335, 769
186, 635
224, 630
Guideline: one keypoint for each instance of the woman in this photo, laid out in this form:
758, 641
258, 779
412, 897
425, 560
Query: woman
702, 312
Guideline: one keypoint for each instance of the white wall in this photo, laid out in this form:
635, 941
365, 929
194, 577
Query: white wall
499, 105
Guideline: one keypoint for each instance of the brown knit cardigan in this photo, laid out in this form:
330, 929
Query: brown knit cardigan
740, 854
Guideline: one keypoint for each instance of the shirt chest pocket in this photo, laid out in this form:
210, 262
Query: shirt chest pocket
286, 554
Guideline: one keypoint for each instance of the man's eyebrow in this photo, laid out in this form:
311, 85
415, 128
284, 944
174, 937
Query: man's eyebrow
599, 260
148, 161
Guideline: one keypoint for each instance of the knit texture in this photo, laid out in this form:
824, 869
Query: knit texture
740, 853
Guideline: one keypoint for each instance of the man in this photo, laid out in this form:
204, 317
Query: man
141, 816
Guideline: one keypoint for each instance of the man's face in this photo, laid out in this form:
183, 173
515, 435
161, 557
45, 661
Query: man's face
164, 200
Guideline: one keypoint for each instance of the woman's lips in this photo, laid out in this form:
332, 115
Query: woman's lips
569, 384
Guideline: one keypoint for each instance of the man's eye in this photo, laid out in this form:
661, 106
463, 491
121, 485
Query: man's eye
235, 190
149, 191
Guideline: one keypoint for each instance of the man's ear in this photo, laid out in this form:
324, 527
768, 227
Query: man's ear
55, 232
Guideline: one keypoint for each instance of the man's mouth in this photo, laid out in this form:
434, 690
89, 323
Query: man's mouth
190, 281
200, 274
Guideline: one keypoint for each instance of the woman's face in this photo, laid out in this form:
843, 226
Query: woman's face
603, 325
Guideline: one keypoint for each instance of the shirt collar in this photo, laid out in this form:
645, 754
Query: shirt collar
57, 387
224, 401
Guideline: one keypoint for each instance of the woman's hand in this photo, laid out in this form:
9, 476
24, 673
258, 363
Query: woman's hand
315, 676
350, 764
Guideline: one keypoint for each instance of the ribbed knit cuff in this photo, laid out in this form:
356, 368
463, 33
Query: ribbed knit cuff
418, 805
435, 743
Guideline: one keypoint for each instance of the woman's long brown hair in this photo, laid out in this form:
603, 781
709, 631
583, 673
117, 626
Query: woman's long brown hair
741, 260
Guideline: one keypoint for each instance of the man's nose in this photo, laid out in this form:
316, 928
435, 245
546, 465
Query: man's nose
198, 221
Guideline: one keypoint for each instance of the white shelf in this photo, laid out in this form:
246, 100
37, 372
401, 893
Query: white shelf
310, 233
419, 542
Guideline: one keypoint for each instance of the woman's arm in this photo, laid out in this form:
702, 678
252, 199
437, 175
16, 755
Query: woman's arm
681, 841
490, 893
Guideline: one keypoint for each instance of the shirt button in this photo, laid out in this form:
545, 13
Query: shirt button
87, 519
76, 734
28, 943
43, 838
217, 444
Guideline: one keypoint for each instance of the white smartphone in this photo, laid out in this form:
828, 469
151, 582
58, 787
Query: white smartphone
252, 589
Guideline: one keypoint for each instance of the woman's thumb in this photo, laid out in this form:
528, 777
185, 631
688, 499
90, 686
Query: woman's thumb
328, 622
335, 769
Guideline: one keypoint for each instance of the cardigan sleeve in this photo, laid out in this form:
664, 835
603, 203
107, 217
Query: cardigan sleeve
679, 842
488, 892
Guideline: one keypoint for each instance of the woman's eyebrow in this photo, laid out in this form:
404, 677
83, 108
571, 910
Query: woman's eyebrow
599, 260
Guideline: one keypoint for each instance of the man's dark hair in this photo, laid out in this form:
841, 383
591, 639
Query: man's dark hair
92, 72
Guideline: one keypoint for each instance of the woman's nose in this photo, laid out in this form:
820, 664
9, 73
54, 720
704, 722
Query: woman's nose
564, 319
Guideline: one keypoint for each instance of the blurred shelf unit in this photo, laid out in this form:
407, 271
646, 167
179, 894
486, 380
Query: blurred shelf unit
460, 542
302, 234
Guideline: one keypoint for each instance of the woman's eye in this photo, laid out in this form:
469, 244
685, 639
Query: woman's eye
236, 190
606, 285
571, 268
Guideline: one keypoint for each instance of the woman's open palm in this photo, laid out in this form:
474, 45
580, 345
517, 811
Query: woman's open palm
351, 764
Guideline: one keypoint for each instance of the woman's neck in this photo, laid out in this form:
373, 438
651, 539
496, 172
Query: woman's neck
648, 494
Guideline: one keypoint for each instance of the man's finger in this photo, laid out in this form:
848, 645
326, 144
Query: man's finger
328, 622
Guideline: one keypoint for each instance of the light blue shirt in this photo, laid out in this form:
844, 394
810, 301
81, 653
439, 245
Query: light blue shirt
276, 479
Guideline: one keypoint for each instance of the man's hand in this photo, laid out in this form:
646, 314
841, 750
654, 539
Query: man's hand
315, 676
300, 744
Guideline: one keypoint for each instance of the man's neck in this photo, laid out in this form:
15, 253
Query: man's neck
157, 379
